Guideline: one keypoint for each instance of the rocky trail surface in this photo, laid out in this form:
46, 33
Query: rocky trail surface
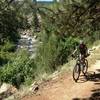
64, 88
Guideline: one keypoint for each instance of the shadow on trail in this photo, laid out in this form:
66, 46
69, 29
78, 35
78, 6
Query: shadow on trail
90, 76
82, 79
94, 77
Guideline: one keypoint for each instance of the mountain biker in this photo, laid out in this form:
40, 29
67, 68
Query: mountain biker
81, 50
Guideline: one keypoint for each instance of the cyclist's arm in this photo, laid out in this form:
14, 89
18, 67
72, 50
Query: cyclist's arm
75, 52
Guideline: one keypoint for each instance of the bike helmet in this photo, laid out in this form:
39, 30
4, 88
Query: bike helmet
81, 41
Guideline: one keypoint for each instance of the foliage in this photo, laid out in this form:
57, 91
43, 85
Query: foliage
10, 22
76, 18
18, 69
6, 52
8, 46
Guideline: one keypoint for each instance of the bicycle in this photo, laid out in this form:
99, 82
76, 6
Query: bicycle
80, 66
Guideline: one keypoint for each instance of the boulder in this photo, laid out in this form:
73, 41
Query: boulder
7, 90
34, 87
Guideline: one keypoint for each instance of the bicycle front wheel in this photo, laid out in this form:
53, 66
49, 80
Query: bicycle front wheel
76, 72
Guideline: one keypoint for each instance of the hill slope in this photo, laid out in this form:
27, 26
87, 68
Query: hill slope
64, 88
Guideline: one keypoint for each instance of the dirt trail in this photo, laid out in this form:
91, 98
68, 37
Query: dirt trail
64, 88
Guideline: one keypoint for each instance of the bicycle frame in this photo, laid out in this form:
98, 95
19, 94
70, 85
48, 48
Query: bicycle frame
80, 61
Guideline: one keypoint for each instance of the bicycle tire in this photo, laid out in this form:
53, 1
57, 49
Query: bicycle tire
85, 68
76, 70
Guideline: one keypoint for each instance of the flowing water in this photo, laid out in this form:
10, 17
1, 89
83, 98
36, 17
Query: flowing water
29, 43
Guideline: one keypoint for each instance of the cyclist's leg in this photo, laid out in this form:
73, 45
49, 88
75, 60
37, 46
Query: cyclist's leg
80, 56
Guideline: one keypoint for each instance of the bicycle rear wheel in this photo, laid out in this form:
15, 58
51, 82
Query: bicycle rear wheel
85, 67
76, 72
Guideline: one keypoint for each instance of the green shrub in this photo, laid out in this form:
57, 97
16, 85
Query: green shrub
67, 46
8, 46
18, 69
6, 52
